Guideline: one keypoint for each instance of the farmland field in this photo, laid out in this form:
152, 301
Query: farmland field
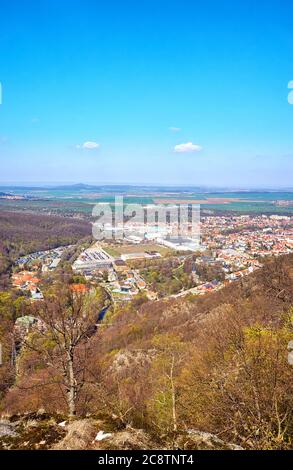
79, 200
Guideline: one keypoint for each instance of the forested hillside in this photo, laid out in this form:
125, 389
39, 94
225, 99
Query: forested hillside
25, 233
216, 363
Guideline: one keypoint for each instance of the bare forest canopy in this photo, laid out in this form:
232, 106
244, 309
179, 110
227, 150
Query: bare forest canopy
21, 234
216, 363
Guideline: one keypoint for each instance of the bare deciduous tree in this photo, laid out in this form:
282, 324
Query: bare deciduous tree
66, 320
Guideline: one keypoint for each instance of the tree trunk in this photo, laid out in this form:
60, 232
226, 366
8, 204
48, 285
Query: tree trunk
71, 393
173, 396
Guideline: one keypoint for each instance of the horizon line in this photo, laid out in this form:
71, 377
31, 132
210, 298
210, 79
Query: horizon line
43, 184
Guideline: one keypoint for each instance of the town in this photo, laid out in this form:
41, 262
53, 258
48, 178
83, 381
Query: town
230, 247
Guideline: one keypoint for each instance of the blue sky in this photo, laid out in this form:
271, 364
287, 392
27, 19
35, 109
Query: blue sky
149, 91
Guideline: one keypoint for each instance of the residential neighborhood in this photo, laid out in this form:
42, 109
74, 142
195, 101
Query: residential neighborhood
234, 246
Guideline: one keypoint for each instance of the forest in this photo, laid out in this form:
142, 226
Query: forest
216, 364
23, 233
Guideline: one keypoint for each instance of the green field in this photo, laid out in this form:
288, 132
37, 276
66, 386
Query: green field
78, 200
118, 250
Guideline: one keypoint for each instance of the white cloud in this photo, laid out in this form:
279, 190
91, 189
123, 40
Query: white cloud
175, 129
187, 148
90, 145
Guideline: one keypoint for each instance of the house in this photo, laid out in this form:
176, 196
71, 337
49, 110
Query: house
120, 266
36, 294
24, 279
79, 288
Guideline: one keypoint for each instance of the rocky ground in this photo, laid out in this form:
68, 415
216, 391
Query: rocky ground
37, 431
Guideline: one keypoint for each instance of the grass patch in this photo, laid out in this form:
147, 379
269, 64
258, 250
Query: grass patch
118, 250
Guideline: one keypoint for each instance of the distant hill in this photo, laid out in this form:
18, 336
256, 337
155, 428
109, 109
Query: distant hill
12, 196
